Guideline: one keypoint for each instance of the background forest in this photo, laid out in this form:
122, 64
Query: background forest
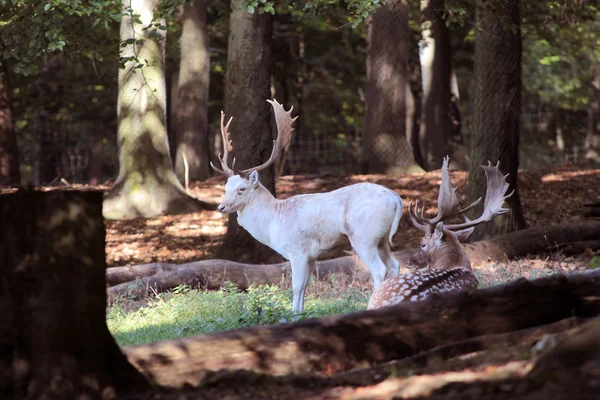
60, 62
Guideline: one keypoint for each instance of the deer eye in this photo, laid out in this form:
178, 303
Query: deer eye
423, 246
241, 191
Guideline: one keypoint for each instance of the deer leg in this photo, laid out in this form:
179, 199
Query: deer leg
302, 268
392, 264
369, 254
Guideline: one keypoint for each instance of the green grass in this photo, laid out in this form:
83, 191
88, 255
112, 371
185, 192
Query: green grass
188, 312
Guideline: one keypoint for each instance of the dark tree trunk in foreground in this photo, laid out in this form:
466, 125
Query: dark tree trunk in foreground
497, 108
192, 91
386, 86
342, 342
54, 342
146, 185
9, 160
248, 87
591, 137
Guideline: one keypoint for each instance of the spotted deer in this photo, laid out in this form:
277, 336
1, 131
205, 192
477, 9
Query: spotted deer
302, 228
441, 263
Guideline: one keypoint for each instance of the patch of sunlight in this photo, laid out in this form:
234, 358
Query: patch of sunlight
565, 176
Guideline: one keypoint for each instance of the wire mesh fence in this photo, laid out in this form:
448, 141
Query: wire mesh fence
78, 151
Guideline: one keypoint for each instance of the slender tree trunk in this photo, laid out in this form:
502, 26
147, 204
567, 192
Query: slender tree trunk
387, 81
54, 342
50, 89
248, 87
9, 159
497, 108
458, 150
146, 185
591, 137
192, 93
436, 65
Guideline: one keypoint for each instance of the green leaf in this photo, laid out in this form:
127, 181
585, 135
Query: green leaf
47, 6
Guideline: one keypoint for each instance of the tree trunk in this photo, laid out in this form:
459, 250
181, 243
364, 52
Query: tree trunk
9, 160
50, 90
139, 281
248, 87
342, 342
192, 92
436, 65
497, 109
386, 86
54, 342
146, 185
458, 150
591, 137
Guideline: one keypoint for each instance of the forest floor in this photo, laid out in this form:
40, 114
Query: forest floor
548, 197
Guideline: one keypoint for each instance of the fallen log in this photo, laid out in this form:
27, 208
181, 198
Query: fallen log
343, 342
211, 274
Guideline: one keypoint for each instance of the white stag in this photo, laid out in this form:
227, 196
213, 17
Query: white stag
441, 264
302, 228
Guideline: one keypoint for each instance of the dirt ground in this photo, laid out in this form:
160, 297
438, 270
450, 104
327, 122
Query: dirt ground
548, 197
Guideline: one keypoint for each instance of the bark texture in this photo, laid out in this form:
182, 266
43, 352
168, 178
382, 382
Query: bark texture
139, 281
54, 342
146, 185
191, 113
248, 87
338, 343
386, 86
9, 160
497, 108
591, 137
436, 66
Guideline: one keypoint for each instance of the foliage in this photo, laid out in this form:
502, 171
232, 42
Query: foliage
357, 10
31, 30
561, 47
191, 312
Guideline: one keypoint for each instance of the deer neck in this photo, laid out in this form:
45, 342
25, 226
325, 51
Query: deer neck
450, 255
258, 211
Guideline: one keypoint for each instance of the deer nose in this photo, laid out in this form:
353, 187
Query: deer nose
221, 208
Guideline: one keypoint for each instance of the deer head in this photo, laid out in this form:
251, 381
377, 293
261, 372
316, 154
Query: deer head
440, 247
242, 184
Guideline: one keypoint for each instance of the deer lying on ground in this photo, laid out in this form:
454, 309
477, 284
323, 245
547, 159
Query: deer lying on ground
441, 263
303, 227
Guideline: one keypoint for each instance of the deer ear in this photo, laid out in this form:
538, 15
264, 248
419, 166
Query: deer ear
464, 234
253, 178
438, 234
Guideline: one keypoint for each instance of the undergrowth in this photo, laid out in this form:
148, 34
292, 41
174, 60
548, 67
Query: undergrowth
188, 312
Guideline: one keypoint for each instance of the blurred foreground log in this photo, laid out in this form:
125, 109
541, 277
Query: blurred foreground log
136, 282
54, 342
339, 343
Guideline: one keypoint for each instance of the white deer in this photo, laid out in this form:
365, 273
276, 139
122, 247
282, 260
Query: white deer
441, 263
302, 228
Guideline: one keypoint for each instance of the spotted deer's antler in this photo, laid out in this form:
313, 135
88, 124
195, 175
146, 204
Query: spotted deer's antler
448, 204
